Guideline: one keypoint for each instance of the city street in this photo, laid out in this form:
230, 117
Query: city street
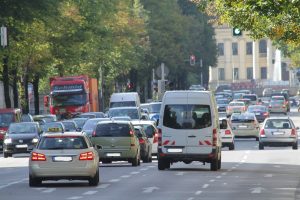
247, 173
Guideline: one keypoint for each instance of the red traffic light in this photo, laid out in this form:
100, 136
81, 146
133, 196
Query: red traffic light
192, 60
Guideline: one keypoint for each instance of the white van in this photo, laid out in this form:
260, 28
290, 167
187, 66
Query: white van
189, 129
125, 99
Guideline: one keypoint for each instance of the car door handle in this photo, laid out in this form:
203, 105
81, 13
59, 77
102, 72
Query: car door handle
192, 136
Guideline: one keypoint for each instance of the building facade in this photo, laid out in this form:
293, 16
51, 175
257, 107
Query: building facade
241, 59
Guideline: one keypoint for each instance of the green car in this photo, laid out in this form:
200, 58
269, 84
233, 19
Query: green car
116, 141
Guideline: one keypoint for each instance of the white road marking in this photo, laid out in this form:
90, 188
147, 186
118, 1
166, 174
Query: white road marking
90, 192
49, 190
150, 189
151, 166
75, 197
292, 189
257, 190
191, 198
198, 192
233, 167
268, 175
103, 186
219, 177
276, 166
13, 183
212, 180
126, 176
224, 183
205, 186
243, 161
180, 173
134, 172
39, 188
114, 180
144, 169
224, 173
230, 170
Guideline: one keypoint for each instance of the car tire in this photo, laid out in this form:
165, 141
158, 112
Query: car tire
163, 164
220, 162
135, 161
6, 155
215, 162
261, 146
34, 182
95, 180
295, 146
231, 146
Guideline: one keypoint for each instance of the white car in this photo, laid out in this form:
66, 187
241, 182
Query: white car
226, 134
151, 131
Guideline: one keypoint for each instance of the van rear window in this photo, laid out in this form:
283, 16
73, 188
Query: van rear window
122, 104
112, 130
187, 116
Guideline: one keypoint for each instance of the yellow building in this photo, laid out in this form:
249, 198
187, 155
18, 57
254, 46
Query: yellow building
240, 59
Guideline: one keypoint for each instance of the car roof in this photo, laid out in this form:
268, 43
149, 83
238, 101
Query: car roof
63, 134
279, 117
114, 121
137, 122
33, 123
124, 108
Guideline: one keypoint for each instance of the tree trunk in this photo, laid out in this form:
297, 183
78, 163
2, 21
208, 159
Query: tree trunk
36, 94
15, 88
5, 78
25, 105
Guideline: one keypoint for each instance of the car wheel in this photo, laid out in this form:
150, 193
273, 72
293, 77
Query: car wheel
34, 182
95, 180
214, 164
295, 146
261, 146
231, 146
6, 155
135, 161
163, 164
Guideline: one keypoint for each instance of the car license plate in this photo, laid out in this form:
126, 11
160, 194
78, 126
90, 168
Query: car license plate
21, 146
278, 133
257, 113
242, 126
113, 154
62, 159
174, 150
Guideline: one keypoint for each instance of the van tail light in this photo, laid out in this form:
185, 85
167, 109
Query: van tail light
227, 132
94, 134
293, 132
262, 132
142, 141
159, 137
86, 156
155, 138
215, 137
38, 157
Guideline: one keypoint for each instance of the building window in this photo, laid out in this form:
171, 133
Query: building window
221, 74
221, 49
249, 46
234, 48
263, 48
263, 73
249, 73
236, 74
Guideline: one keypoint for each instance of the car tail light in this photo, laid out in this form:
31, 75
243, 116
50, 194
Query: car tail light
215, 137
227, 132
262, 132
86, 156
266, 114
142, 141
38, 157
293, 132
94, 134
270, 106
155, 138
159, 137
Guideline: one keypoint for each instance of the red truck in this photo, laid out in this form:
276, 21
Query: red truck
72, 95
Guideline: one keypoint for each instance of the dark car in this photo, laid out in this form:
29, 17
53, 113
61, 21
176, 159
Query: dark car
145, 144
21, 138
70, 126
90, 125
86, 115
80, 122
261, 112
222, 104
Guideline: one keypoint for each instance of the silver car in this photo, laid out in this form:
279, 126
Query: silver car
278, 131
245, 125
277, 105
64, 156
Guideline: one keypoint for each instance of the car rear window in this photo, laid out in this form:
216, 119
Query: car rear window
237, 104
113, 130
251, 97
257, 108
242, 118
278, 124
70, 126
62, 142
187, 116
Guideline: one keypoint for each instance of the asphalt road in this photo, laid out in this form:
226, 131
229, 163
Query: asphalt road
247, 173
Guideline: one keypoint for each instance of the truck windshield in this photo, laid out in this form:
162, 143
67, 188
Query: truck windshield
6, 119
69, 100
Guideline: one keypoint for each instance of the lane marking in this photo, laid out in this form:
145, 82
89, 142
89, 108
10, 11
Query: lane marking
75, 197
144, 169
90, 192
224, 173
230, 170
180, 173
268, 175
233, 167
134, 172
49, 190
198, 192
13, 183
114, 180
205, 186
219, 177
151, 166
224, 183
103, 186
191, 198
212, 180
125, 176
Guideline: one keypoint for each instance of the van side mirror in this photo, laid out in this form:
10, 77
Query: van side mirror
46, 101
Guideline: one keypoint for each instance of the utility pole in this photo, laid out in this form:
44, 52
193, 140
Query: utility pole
201, 69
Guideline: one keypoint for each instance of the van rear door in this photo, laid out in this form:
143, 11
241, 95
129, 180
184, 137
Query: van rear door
200, 135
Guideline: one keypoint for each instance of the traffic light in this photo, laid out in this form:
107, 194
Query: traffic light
192, 60
236, 32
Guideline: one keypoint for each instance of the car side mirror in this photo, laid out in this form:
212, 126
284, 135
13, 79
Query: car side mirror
78, 129
98, 146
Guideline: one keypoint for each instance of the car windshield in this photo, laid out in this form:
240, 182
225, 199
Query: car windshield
132, 113
154, 108
257, 108
6, 119
277, 101
69, 126
243, 118
22, 128
251, 97
112, 130
184, 116
278, 124
69, 100
122, 104
62, 142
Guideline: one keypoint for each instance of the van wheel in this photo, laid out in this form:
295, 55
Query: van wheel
214, 164
163, 164
34, 182
295, 146
231, 146
95, 180
261, 146
220, 162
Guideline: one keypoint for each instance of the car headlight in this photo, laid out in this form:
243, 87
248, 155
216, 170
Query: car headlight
8, 141
35, 140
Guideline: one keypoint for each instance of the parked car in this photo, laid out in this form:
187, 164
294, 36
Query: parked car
245, 125
261, 112
21, 138
145, 144
63, 156
278, 131
226, 134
